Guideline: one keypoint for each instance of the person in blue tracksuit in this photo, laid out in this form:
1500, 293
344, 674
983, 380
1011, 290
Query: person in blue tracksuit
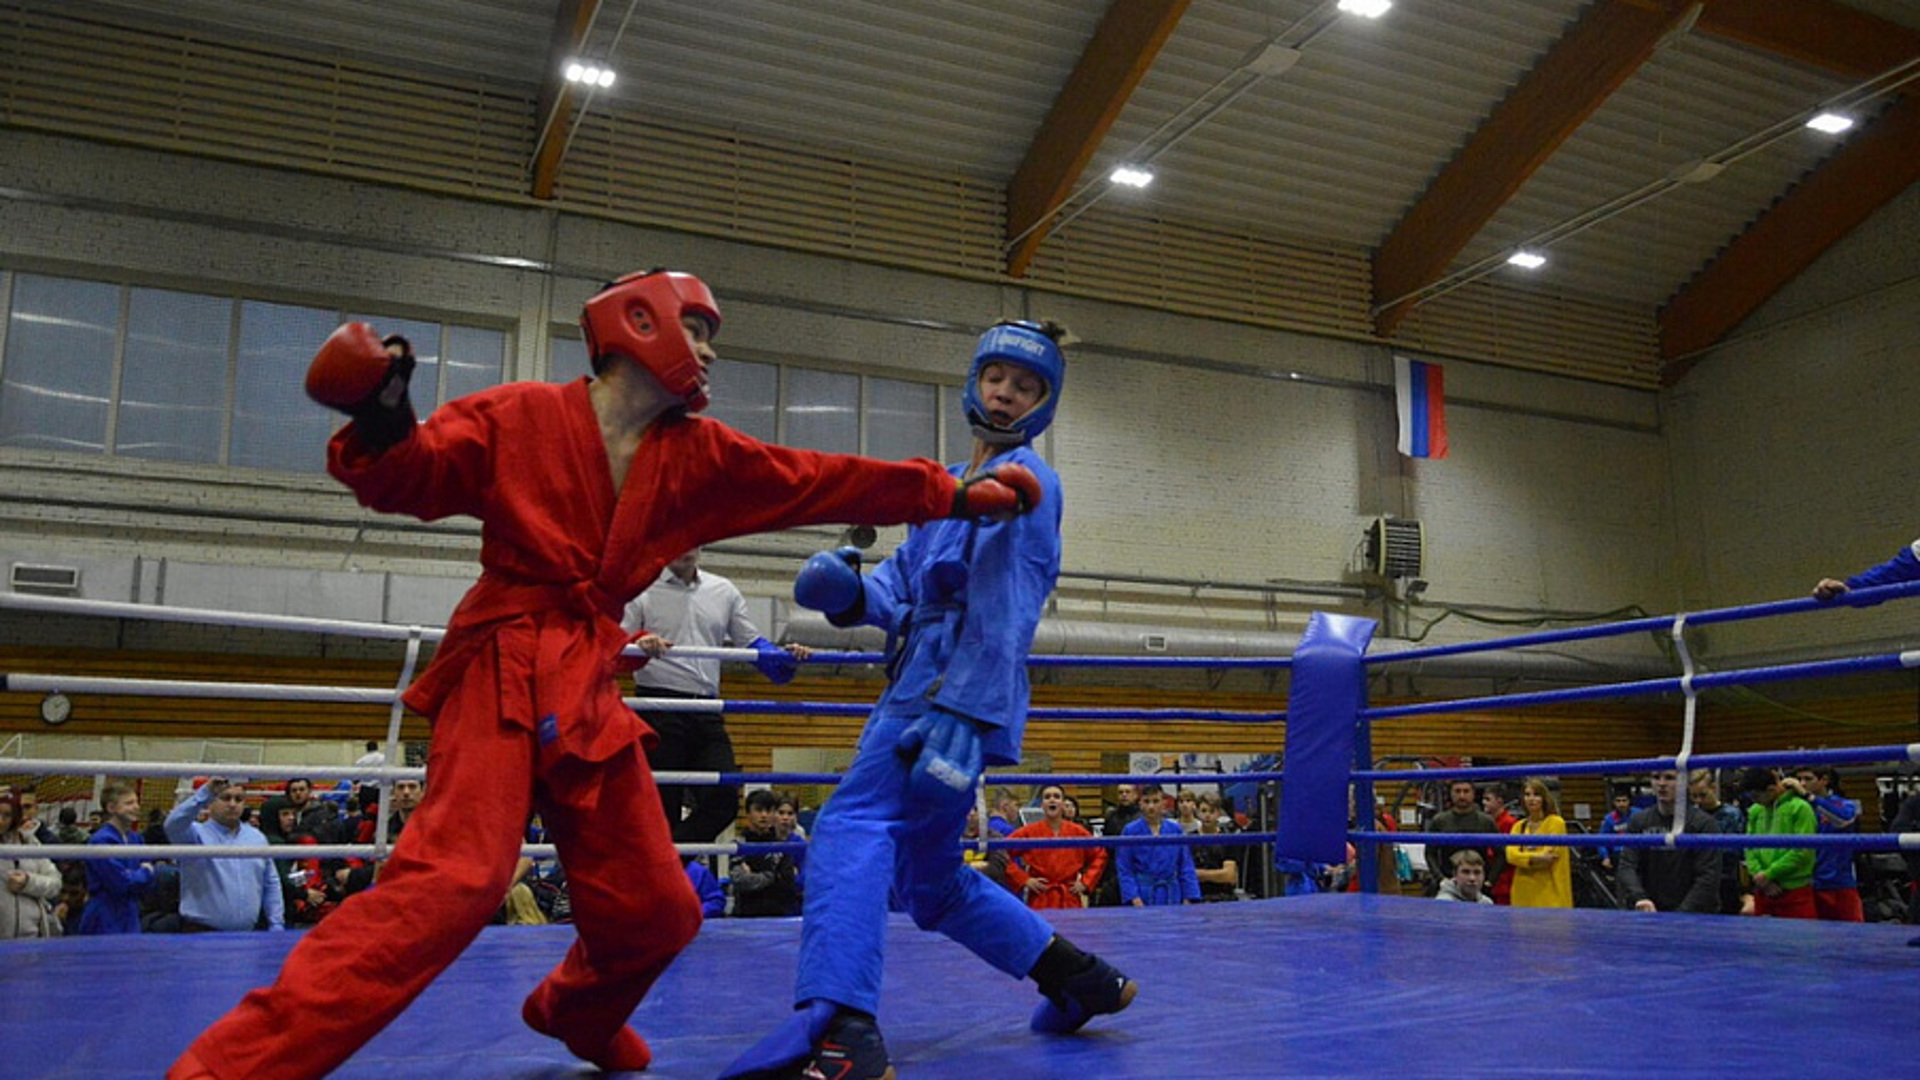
1904, 566
962, 599
1836, 887
713, 899
1153, 875
115, 886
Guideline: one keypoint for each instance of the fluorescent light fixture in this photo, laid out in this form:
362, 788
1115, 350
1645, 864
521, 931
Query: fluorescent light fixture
1134, 176
1831, 123
1366, 9
1527, 260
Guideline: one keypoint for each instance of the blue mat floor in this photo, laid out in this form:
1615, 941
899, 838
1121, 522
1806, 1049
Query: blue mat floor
1327, 986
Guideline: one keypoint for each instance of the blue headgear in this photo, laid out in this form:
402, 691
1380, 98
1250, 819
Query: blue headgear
1022, 344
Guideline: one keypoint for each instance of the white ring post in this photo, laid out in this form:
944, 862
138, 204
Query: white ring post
398, 710
1686, 734
980, 811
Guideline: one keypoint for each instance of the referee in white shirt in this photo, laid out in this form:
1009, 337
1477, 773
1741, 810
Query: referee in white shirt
687, 606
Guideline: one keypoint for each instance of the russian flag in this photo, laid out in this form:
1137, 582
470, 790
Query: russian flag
1419, 394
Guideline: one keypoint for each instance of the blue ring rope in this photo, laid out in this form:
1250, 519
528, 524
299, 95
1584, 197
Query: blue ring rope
1739, 677
1837, 841
1193, 779
1262, 662
835, 708
1659, 623
1001, 843
1843, 756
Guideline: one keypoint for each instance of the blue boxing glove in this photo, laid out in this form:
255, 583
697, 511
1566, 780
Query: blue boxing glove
776, 663
947, 758
830, 584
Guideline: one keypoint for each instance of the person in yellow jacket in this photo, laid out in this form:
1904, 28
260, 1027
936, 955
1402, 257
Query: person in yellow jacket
1542, 875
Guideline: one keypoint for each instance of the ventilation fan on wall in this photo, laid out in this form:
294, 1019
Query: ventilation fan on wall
1396, 547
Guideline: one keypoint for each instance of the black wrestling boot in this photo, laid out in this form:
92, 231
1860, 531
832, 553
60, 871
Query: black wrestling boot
1078, 987
851, 1049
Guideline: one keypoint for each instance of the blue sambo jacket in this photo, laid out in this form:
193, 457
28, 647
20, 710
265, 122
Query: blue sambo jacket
965, 598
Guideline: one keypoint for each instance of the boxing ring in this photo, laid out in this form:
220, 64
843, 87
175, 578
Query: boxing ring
1333, 985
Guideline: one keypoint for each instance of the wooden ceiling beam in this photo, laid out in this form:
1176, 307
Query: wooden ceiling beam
1548, 105
557, 98
1116, 58
1877, 164
1814, 32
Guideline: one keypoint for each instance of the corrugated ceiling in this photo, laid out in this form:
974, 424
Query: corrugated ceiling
889, 128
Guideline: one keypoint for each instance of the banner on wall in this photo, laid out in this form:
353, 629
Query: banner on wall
1419, 394
1204, 773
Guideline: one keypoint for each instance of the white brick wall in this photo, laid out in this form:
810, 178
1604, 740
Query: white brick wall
1556, 496
1794, 445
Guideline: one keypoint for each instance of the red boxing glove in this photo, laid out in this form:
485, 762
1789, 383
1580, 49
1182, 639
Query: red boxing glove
1008, 489
350, 368
365, 377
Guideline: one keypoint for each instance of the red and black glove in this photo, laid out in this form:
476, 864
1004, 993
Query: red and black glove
358, 373
1006, 489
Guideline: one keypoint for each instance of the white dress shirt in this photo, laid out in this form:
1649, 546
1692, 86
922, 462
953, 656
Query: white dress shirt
705, 611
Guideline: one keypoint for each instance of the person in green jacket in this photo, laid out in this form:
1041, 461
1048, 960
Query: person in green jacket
1782, 877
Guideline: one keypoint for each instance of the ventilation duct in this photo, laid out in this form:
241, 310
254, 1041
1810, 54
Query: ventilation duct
44, 580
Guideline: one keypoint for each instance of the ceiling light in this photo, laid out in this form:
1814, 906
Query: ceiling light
1134, 176
1366, 9
1831, 123
1527, 260
591, 74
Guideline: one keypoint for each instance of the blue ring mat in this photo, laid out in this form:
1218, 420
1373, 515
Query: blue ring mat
1321, 986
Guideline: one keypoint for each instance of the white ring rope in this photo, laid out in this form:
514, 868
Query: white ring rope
196, 769
193, 770
71, 684
60, 605
150, 852
34, 682
69, 852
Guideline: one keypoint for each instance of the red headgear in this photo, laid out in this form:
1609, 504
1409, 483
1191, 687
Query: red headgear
638, 317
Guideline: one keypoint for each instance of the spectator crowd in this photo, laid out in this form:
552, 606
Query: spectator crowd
44, 898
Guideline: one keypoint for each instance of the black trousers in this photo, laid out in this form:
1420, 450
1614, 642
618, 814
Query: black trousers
693, 742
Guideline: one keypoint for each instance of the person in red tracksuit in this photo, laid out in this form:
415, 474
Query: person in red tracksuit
584, 491
1055, 877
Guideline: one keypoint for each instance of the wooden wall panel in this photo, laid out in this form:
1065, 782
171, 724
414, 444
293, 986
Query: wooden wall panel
195, 718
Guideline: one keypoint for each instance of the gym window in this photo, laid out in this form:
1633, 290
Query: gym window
136, 371
817, 409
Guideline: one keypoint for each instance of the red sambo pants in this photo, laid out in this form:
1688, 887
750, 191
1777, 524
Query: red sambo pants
633, 907
1791, 904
